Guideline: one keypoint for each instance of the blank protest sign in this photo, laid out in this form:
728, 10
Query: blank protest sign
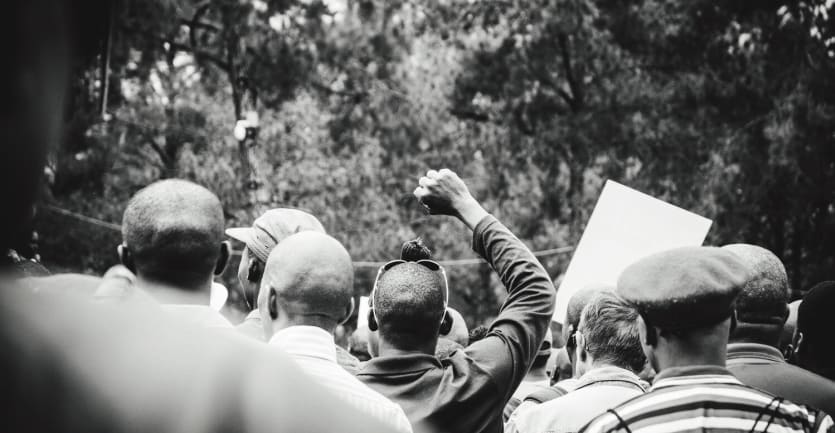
626, 225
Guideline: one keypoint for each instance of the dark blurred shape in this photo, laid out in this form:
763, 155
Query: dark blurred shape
813, 344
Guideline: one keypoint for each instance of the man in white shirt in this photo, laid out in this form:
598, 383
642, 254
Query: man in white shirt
306, 292
608, 357
172, 240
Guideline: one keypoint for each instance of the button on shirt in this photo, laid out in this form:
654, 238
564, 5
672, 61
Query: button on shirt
314, 350
707, 398
597, 390
763, 367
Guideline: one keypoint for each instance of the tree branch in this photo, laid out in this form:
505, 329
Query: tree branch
575, 100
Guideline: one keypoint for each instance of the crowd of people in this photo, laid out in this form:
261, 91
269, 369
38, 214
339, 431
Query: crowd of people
690, 339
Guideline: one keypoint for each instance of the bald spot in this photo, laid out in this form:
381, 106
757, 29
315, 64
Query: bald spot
312, 274
764, 297
174, 229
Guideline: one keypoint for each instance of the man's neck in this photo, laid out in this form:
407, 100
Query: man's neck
166, 294
672, 357
388, 349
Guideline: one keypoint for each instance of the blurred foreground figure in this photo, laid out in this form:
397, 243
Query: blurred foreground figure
467, 391
172, 240
609, 358
307, 292
685, 298
266, 232
814, 349
72, 366
754, 356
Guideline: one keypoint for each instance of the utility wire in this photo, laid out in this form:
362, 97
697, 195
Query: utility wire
357, 264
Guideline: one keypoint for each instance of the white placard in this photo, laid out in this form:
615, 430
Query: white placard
625, 226
362, 313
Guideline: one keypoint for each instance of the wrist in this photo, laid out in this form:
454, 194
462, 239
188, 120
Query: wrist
470, 212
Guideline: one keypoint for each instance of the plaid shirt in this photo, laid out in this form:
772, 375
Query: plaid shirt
707, 398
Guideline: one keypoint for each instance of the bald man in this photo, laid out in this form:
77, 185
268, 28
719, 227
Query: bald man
172, 239
754, 356
306, 292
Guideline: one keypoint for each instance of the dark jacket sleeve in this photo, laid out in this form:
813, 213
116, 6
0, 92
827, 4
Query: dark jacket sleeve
515, 336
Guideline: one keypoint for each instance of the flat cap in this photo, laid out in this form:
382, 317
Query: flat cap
272, 227
684, 288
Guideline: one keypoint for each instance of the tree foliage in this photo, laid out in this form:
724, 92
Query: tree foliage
724, 108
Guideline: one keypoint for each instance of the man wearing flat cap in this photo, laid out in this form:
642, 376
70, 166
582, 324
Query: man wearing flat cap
685, 300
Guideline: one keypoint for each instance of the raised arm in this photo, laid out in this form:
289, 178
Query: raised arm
514, 338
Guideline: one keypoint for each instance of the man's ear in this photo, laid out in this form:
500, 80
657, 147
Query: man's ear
446, 324
223, 258
272, 304
126, 257
580, 340
798, 342
348, 310
372, 319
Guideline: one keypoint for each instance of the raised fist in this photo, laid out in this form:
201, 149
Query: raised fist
443, 193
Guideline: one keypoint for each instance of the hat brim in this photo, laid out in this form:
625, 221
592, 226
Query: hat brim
243, 234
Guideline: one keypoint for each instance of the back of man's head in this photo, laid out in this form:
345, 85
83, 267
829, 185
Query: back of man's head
409, 304
814, 327
308, 280
609, 326
173, 230
578, 302
762, 303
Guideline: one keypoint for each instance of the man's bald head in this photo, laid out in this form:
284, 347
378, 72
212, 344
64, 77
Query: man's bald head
312, 277
409, 304
764, 298
174, 229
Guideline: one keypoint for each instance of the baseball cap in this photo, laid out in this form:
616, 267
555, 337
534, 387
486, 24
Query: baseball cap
272, 227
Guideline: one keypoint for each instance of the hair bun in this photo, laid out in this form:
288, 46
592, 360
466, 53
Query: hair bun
415, 250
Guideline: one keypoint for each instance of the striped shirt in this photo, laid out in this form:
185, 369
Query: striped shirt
707, 399
315, 351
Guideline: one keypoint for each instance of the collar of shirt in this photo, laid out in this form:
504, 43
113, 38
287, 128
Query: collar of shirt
253, 315
754, 350
400, 364
694, 375
306, 341
601, 375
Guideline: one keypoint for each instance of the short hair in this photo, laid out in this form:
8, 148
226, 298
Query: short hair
610, 327
409, 304
578, 301
764, 297
478, 333
415, 250
173, 229
313, 271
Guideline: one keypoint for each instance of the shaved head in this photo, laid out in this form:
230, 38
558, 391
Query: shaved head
409, 304
311, 275
764, 297
174, 229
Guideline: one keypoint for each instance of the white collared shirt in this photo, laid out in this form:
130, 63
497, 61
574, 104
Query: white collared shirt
315, 351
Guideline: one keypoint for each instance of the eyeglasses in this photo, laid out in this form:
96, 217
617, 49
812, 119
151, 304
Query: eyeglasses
428, 264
